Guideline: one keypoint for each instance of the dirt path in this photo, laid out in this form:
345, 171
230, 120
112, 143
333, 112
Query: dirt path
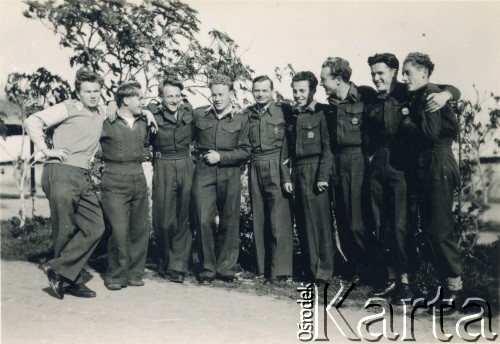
159, 312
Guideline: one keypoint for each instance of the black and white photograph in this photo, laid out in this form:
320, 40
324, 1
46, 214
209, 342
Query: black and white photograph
249, 171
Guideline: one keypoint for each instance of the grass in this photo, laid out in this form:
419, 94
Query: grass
32, 242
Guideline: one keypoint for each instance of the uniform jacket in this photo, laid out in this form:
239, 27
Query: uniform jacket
345, 118
307, 138
385, 115
174, 136
228, 136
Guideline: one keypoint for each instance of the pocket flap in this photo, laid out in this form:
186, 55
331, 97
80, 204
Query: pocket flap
203, 124
231, 127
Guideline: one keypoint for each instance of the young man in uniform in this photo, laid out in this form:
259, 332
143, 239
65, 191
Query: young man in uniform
172, 180
389, 151
308, 146
76, 217
344, 118
272, 224
221, 137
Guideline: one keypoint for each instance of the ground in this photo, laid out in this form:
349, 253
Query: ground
159, 312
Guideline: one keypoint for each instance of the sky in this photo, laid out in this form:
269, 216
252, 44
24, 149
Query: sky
460, 37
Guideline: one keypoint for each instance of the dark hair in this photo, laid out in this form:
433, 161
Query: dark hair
169, 82
389, 59
125, 90
262, 78
338, 67
86, 75
220, 79
420, 59
306, 76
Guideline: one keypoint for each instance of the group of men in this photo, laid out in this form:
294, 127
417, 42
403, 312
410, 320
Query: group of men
368, 149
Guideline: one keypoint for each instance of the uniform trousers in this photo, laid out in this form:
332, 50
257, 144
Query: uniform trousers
389, 206
217, 191
314, 214
272, 223
437, 178
350, 204
172, 182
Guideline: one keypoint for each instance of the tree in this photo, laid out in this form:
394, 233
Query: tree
32, 92
474, 135
146, 41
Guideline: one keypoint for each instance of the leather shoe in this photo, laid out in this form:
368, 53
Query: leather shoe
228, 279
135, 283
80, 290
175, 276
206, 280
387, 290
55, 281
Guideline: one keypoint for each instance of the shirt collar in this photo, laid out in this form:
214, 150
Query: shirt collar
311, 107
227, 112
257, 110
352, 96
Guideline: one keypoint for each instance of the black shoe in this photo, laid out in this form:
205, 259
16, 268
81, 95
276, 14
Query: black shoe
55, 281
387, 290
206, 280
175, 276
404, 291
228, 279
80, 290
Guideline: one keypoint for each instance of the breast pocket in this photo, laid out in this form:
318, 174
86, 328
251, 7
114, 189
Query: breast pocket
310, 132
354, 117
204, 129
230, 133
